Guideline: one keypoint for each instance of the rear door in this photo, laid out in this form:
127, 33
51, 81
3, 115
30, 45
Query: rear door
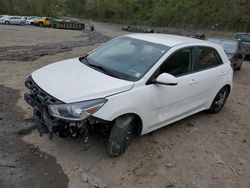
209, 72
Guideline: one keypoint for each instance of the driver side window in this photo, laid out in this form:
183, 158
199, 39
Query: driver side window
179, 63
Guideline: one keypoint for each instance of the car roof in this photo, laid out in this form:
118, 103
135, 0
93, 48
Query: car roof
166, 39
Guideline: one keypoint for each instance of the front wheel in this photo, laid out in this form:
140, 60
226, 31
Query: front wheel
219, 100
121, 135
6, 22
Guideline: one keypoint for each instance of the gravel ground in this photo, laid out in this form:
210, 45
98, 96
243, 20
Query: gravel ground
203, 150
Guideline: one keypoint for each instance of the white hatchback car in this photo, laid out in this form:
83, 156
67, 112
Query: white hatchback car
129, 86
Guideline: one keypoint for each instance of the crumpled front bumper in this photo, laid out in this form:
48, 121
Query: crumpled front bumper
46, 123
39, 101
40, 111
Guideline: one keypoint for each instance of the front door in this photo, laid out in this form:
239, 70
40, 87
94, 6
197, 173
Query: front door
171, 102
12, 20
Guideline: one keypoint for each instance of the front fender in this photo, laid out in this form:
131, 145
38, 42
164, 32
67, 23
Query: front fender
136, 101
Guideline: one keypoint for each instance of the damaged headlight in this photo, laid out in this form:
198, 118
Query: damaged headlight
76, 111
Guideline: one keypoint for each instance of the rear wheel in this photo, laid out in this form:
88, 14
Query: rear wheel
238, 69
233, 66
121, 135
219, 100
7, 22
41, 24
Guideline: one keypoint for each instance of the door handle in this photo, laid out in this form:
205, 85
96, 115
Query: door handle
193, 81
222, 73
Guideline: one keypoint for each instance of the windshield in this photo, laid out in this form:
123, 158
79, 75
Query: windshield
229, 46
128, 58
244, 37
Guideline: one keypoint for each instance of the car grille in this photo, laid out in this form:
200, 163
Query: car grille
39, 95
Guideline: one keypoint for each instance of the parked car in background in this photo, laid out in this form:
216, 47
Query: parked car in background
24, 17
244, 38
3, 19
233, 49
13, 20
3, 16
126, 28
42, 22
201, 36
130, 86
30, 20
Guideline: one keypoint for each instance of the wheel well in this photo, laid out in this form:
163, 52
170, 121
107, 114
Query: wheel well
138, 122
229, 87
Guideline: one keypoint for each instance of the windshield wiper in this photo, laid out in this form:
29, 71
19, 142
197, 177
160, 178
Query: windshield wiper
101, 68
104, 70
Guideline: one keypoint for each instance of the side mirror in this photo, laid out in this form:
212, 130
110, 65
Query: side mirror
166, 79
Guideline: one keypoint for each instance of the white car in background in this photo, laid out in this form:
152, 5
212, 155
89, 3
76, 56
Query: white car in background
3, 16
3, 19
130, 86
12, 20
30, 20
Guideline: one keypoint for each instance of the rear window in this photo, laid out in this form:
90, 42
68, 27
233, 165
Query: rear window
207, 58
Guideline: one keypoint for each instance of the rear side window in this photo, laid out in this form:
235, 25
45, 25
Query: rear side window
179, 63
207, 58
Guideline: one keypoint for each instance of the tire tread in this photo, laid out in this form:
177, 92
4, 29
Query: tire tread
117, 143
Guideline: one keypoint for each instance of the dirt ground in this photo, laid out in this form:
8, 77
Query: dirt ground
201, 151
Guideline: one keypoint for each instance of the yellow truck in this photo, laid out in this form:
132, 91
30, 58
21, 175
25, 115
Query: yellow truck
42, 22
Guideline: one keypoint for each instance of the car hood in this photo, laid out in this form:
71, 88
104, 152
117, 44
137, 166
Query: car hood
72, 81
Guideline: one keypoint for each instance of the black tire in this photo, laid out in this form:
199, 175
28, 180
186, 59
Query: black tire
41, 24
6, 22
234, 67
238, 69
22, 23
121, 135
219, 100
247, 57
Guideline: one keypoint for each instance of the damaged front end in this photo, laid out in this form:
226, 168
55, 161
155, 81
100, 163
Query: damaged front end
54, 116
